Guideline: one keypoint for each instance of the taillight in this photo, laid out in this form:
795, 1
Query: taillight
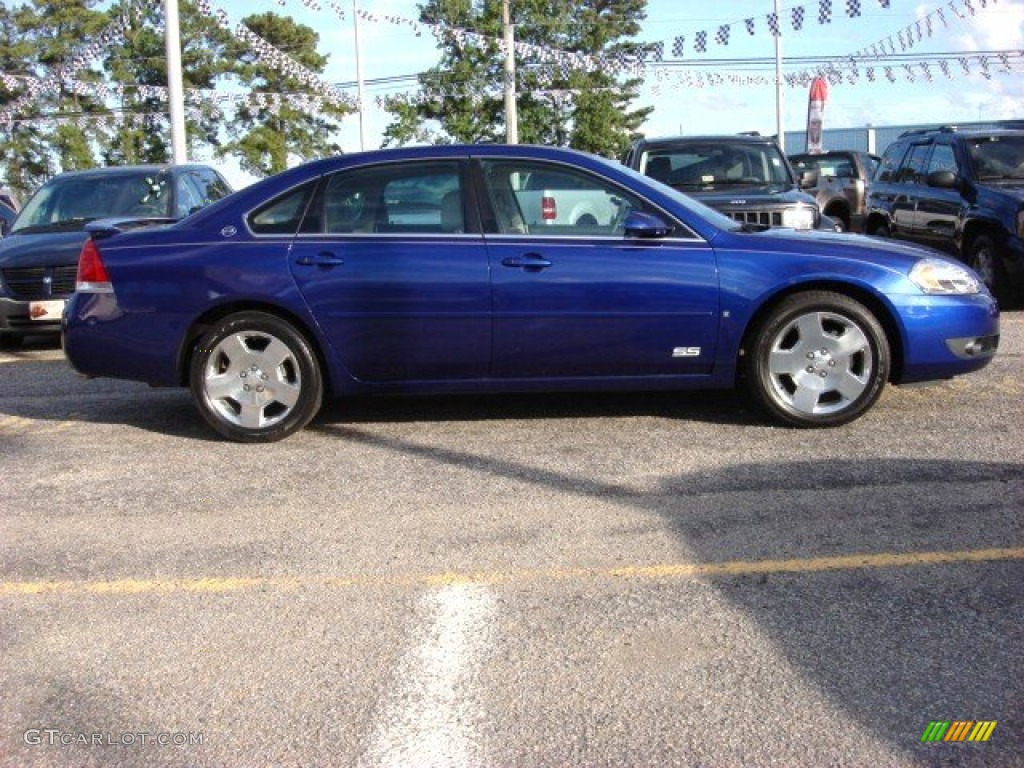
92, 275
548, 209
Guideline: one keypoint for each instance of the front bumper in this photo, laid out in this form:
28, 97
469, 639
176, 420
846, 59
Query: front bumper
946, 336
16, 320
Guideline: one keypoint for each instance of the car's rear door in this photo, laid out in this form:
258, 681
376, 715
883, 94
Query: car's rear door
392, 265
584, 301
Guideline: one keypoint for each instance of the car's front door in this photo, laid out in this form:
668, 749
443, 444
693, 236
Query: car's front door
939, 209
392, 264
911, 180
583, 301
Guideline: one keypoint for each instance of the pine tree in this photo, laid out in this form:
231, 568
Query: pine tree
584, 106
141, 130
269, 138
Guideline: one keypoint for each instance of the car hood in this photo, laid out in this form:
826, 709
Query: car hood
893, 254
1012, 187
46, 249
749, 196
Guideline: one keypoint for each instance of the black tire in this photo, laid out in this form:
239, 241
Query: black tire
819, 359
255, 379
841, 217
985, 258
880, 230
586, 220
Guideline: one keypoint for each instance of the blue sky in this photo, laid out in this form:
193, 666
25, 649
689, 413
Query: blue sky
390, 49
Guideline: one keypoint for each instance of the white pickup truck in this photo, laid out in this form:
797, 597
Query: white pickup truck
553, 200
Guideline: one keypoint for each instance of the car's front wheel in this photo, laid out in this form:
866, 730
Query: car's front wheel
255, 378
819, 359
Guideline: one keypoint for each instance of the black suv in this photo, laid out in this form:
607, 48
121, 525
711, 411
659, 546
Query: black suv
39, 256
744, 176
961, 192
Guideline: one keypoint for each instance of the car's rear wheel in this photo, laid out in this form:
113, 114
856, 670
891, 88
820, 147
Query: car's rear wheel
255, 378
819, 359
984, 258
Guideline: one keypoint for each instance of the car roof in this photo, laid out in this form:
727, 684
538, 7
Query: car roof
114, 170
967, 133
731, 138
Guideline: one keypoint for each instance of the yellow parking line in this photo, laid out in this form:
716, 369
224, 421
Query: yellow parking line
648, 572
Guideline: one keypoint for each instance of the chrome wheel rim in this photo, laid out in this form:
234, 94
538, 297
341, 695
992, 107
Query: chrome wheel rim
820, 363
252, 380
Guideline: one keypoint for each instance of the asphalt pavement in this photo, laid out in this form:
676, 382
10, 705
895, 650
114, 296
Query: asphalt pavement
586, 580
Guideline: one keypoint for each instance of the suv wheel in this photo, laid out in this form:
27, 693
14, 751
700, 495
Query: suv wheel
984, 258
881, 229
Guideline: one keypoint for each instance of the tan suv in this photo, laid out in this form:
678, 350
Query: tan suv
841, 188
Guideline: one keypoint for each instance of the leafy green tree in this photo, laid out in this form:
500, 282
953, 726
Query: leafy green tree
142, 133
586, 106
267, 136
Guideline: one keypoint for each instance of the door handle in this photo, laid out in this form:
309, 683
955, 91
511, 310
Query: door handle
531, 262
322, 259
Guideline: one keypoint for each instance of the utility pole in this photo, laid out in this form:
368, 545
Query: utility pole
778, 81
175, 90
359, 78
511, 117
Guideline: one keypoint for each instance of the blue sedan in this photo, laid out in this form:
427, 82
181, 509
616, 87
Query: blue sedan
444, 269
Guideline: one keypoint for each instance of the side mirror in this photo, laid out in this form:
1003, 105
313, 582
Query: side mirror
645, 225
943, 180
808, 179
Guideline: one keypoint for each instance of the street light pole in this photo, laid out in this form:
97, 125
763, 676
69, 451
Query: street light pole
778, 80
511, 116
359, 78
175, 89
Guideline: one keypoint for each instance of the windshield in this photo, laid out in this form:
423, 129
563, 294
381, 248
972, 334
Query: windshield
717, 164
71, 202
997, 157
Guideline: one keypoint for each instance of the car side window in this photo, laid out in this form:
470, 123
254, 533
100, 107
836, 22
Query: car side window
942, 159
210, 185
406, 198
889, 166
913, 170
186, 197
537, 198
283, 214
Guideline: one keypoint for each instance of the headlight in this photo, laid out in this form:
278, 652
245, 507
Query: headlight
933, 276
798, 218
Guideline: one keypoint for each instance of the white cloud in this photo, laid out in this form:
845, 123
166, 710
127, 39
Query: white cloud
998, 27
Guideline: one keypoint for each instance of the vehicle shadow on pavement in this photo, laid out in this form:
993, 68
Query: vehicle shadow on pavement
926, 624
708, 406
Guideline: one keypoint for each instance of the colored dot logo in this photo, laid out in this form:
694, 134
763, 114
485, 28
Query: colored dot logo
958, 730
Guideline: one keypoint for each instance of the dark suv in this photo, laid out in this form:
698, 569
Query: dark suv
744, 176
39, 257
961, 192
